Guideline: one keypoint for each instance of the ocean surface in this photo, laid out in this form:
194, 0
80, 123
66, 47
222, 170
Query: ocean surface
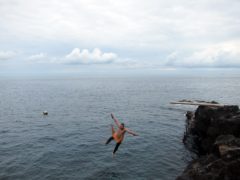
69, 142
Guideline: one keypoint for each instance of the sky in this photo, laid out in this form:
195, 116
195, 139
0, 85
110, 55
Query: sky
91, 36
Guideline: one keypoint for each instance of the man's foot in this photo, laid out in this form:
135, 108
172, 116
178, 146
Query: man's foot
113, 155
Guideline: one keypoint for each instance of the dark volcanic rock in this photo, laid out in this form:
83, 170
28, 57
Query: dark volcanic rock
215, 131
210, 122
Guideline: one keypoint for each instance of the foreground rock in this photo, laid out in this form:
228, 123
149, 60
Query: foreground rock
214, 133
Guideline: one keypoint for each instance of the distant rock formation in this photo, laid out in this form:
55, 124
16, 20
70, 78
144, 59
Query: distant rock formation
214, 133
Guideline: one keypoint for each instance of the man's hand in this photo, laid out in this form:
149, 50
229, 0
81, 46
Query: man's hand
131, 132
135, 135
115, 120
112, 115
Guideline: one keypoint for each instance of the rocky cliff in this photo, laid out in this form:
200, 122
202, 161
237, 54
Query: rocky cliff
214, 134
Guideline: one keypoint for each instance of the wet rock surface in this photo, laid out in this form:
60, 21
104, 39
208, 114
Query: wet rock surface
214, 134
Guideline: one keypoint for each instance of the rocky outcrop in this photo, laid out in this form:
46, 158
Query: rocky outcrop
214, 134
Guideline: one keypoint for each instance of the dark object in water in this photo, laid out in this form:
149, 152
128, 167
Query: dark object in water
45, 113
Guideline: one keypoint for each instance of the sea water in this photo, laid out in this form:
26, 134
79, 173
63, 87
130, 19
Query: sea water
68, 143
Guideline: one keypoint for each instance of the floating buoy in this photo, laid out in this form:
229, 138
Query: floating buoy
45, 113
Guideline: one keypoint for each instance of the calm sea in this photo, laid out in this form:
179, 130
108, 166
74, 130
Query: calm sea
69, 142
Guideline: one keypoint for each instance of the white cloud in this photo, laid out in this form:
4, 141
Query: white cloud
37, 57
144, 32
135, 24
85, 56
225, 54
5, 55
220, 55
76, 56
42, 58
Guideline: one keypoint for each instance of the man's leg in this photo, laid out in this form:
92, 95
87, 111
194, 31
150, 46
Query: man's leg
109, 140
116, 148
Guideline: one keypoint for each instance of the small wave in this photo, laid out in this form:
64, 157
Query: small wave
107, 173
45, 125
4, 131
47, 139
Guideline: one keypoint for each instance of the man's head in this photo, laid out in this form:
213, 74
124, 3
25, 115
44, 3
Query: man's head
122, 126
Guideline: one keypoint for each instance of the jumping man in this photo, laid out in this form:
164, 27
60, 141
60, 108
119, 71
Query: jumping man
119, 134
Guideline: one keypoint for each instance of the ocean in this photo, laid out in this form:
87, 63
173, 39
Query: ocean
68, 143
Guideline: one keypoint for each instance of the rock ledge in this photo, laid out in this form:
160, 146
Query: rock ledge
214, 134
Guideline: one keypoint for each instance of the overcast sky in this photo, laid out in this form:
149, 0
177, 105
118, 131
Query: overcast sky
72, 36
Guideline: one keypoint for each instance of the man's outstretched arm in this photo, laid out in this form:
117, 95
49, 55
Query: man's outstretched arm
131, 132
115, 120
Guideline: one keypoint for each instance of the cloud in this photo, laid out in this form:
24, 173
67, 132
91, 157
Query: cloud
76, 56
135, 24
5, 55
84, 56
37, 57
220, 55
42, 58
141, 32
